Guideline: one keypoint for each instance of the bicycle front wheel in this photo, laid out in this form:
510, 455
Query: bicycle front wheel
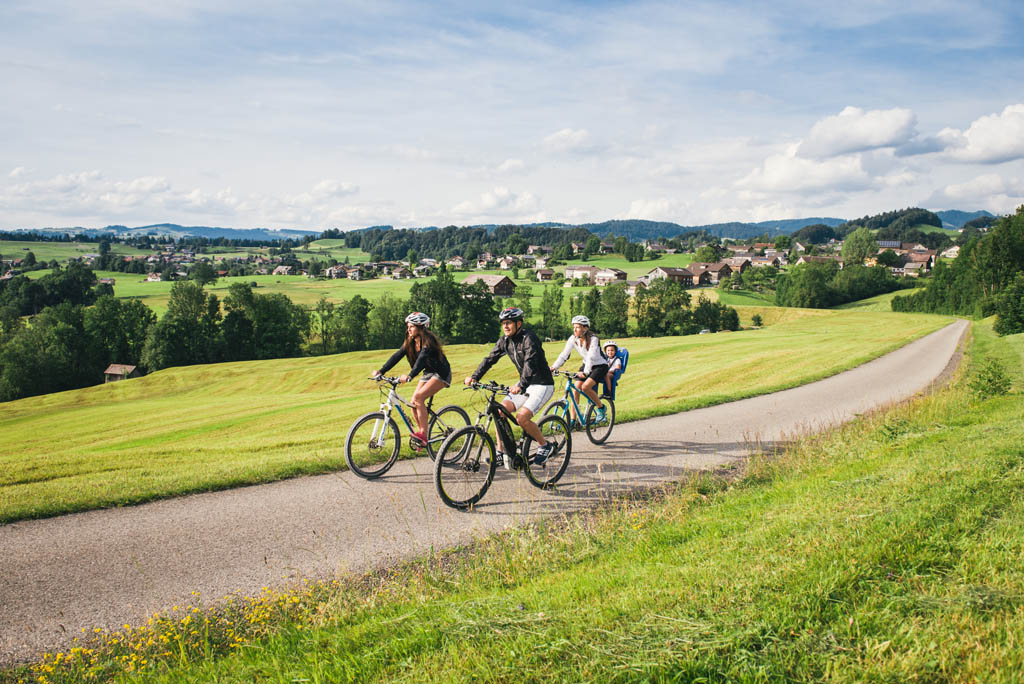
598, 430
372, 445
556, 432
442, 424
464, 467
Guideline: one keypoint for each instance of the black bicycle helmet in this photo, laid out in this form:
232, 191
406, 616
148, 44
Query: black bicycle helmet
511, 313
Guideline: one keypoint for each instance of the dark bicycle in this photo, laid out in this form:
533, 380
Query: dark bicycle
598, 427
465, 464
373, 443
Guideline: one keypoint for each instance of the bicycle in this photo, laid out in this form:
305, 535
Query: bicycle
598, 431
465, 465
372, 443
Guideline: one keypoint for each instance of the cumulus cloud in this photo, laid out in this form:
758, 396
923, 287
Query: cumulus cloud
992, 139
989, 190
498, 202
511, 165
19, 172
658, 209
857, 130
788, 172
569, 140
89, 195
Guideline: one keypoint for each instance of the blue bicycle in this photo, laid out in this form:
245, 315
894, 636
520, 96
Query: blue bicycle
598, 425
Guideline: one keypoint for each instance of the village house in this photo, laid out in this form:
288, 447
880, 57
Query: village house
738, 264
456, 262
541, 262
539, 249
632, 286
545, 274
606, 276
584, 271
337, 271
676, 275
807, 259
119, 371
282, 270
607, 247
765, 261
952, 253
400, 273
506, 262
499, 285
715, 272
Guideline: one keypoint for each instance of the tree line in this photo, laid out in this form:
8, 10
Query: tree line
986, 278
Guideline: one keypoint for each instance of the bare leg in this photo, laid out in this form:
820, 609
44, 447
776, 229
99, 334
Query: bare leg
525, 419
588, 389
424, 390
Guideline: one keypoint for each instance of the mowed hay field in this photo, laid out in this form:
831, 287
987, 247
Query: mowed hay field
201, 428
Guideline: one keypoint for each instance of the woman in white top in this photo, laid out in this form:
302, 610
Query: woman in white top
595, 365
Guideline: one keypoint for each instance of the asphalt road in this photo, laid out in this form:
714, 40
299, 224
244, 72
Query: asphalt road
111, 567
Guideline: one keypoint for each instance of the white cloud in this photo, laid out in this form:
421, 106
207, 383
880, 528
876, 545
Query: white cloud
989, 190
511, 165
499, 202
856, 130
788, 173
19, 172
569, 140
90, 195
658, 209
991, 139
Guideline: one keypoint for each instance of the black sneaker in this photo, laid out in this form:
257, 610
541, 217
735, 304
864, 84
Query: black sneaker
543, 454
499, 458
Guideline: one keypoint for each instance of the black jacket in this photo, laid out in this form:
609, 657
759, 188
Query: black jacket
527, 353
429, 360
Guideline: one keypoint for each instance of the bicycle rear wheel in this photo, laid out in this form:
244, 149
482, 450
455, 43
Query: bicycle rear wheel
599, 430
464, 467
442, 424
372, 445
556, 432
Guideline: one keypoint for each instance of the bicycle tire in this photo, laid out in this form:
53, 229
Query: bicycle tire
451, 418
554, 429
367, 451
463, 477
598, 432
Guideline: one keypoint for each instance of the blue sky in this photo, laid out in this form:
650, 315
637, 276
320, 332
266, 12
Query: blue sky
348, 114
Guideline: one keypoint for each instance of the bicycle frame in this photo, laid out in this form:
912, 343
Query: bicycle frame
502, 419
571, 390
395, 401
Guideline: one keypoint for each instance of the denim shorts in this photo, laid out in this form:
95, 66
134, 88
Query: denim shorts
429, 376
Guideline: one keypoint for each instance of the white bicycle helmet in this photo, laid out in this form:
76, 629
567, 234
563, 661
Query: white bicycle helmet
511, 313
582, 320
417, 318
611, 343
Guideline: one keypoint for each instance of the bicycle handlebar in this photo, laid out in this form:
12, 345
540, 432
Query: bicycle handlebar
487, 386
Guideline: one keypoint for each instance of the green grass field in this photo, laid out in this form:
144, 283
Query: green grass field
882, 302
208, 427
61, 251
884, 551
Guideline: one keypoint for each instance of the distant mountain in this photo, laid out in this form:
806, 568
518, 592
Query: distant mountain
955, 219
636, 229
214, 233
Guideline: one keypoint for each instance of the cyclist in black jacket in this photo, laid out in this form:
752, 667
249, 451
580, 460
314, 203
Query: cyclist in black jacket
425, 353
536, 384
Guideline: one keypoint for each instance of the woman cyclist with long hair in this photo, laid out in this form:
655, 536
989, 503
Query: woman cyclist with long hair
424, 352
595, 365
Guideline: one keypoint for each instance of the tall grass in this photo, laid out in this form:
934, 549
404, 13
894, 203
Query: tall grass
887, 550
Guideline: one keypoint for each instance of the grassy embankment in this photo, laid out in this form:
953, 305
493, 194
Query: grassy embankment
887, 550
210, 427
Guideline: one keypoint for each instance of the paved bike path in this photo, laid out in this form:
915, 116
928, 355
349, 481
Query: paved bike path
111, 567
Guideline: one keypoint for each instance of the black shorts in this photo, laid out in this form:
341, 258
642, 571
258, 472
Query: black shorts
597, 373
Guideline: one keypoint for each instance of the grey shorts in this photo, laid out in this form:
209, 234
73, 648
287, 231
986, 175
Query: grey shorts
429, 376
